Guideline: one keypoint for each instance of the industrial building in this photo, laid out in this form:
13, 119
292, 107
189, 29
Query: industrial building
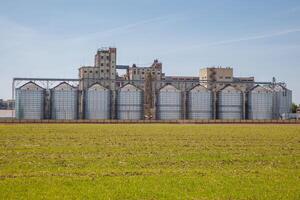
147, 93
7, 105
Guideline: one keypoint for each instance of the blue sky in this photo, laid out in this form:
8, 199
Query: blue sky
52, 38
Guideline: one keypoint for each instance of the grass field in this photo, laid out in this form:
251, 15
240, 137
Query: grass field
149, 162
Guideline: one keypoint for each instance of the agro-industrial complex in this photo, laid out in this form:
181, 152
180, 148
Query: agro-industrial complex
147, 93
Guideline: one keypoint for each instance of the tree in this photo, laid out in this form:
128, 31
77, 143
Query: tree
294, 108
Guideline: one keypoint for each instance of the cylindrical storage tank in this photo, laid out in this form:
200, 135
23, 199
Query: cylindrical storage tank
260, 103
30, 101
200, 103
282, 101
230, 103
64, 102
169, 103
97, 102
130, 103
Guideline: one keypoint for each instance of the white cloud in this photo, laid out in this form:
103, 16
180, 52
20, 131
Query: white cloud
256, 37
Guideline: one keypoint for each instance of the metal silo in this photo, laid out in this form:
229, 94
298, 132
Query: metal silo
130, 103
282, 101
30, 101
97, 102
200, 103
169, 103
64, 102
260, 103
230, 103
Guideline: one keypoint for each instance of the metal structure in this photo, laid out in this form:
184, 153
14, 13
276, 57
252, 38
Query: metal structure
260, 103
64, 102
200, 103
169, 105
97, 102
130, 103
30, 101
282, 101
230, 103
150, 90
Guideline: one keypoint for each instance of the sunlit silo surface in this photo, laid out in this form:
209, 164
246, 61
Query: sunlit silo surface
260, 103
200, 103
230, 103
64, 102
169, 103
130, 103
97, 104
282, 101
30, 101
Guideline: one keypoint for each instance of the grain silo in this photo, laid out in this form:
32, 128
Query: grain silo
169, 104
260, 103
230, 103
97, 102
130, 103
282, 101
30, 101
64, 102
200, 103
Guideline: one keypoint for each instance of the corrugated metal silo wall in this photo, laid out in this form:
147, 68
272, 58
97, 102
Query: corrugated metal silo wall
169, 105
230, 105
260, 105
200, 104
130, 105
64, 104
97, 104
29, 104
282, 102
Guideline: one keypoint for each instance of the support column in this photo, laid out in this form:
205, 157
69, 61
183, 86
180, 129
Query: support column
184, 105
113, 106
244, 105
215, 105
81, 102
47, 104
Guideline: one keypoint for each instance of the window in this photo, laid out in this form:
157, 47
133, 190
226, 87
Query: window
107, 70
107, 57
102, 64
107, 64
85, 71
102, 57
91, 71
102, 71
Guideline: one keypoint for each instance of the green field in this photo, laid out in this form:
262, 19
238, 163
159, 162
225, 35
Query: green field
149, 162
